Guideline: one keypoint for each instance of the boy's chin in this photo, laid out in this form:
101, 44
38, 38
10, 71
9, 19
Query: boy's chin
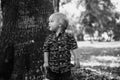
51, 29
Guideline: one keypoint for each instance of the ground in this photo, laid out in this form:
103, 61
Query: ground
98, 60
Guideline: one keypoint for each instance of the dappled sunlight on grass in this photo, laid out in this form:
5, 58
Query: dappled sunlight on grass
100, 60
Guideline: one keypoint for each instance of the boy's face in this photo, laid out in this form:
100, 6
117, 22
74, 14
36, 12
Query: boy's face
53, 23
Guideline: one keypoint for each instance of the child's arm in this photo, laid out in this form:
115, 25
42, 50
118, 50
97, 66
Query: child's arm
73, 53
46, 59
73, 46
76, 59
46, 51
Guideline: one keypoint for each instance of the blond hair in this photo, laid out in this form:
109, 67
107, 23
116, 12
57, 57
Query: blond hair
62, 19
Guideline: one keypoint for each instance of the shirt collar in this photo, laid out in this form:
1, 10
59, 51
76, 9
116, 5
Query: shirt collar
61, 33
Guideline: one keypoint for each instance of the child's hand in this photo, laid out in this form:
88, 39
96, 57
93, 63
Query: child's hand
45, 65
77, 63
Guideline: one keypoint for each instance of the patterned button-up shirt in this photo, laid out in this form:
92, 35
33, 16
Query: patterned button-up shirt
59, 48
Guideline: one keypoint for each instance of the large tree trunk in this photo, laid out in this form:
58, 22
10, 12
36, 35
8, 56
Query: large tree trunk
24, 29
6, 40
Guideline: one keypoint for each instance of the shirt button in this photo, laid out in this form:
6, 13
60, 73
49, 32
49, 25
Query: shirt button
59, 47
60, 55
60, 63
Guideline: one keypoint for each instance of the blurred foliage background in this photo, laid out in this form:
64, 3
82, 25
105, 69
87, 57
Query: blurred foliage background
93, 15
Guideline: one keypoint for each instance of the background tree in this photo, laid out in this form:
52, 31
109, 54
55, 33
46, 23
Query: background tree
101, 12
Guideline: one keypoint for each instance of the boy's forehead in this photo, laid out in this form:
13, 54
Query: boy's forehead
57, 16
52, 17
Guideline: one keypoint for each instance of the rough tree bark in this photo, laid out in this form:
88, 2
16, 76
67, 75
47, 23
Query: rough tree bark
22, 37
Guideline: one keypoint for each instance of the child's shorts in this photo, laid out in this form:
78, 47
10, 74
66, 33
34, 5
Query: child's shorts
59, 76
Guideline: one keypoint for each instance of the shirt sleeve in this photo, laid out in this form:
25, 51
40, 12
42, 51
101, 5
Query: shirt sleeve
46, 45
72, 42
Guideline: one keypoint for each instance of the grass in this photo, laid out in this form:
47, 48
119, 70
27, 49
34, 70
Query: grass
99, 55
102, 60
